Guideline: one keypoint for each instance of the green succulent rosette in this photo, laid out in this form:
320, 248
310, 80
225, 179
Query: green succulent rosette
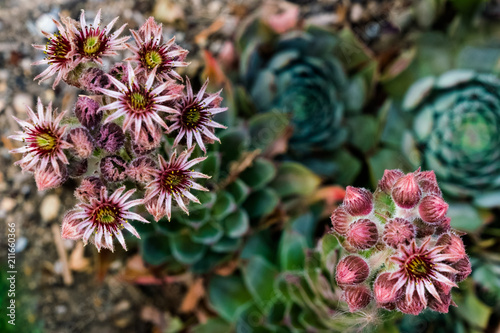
245, 190
317, 79
456, 133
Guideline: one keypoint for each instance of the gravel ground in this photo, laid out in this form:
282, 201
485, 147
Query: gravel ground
98, 299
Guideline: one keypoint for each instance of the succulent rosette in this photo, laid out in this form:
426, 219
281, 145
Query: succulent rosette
303, 74
456, 133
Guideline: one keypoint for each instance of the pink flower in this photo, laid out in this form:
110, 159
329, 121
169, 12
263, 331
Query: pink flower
105, 216
150, 53
48, 178
138, 102
419, 268
93, 42
173, 179
193, 116
43, 138
59, 53
384, 291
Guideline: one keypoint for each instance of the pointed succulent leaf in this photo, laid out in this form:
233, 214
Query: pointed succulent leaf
208, 234
155, 249
223, 206
261, 203
228, 296
258, 174
239, 190
294, 179
257, 274
236, 224
185, 250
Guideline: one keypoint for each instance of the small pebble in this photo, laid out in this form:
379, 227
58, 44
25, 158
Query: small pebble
21, 244
49, 208
21, 101
8, 204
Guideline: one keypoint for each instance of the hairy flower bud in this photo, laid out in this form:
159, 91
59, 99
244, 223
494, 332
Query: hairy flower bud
362, 234
432, 209
69, 228
454, 247
120, 72
384, 289
83, 144
357, 297
340, 221
147, 140
440, 306
92, 79
88, 189
351, 270
413, 307
49, 178
428, 182
142, 169
406, 192
398, 231
86, 112
110, 137
113, 168
77, 168
464, 269
389, 179
358, 201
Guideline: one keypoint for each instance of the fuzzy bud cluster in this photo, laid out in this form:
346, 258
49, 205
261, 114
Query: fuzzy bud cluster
115, 133
403, 253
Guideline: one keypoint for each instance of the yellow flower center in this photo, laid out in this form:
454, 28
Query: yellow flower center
174, 178
138, 101
91, 45
191, 116
106, 215
418, 267
46, 141
153, 59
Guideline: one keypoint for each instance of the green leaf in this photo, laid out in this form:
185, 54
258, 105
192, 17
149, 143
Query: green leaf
259, 174
228, 296
210, 233
213, 325
155, 249
292, 251
260, 244
226, 245
185, 250
236, 224
295, 179
266, 128
261, 203
145, 228
233, 143
223, 205
474, 311
464, 217
198, 217
239, 190
210, 261
364, 130
171, 228
258, 275
211, 165
328, 243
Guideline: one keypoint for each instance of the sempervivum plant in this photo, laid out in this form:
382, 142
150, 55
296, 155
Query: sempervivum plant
115, 139
303, 75
455, 132
391, 250
246, 190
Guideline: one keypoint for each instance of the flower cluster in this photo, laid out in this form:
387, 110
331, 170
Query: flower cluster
121, 123
403, 252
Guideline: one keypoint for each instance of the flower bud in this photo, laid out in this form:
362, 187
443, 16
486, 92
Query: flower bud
351, 270
398, 232
358, 201
406, 193
340, 221
444, 226
86, 112
69, 228
77, 168
357, 297
110, 137
440, 306
93, 79
83, 144
423, 229
147, 140
464, 269
362, 234
384, 290
454, 247
389, 179
120, 72
49, 178
88, 189
414, 307
142, 169
428, 182
113, 168
432, 209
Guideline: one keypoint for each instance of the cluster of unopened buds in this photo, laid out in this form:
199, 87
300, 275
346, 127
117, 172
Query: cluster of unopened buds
113, 139
403, 254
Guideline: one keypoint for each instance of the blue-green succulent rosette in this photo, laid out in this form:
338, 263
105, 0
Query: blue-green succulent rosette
456, 133
305, 76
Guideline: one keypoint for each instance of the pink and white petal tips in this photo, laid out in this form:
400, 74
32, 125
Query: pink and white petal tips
44, 145
59, 53
92, 42
173, 181
103, 217
138, 103
150, 53
193, 119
